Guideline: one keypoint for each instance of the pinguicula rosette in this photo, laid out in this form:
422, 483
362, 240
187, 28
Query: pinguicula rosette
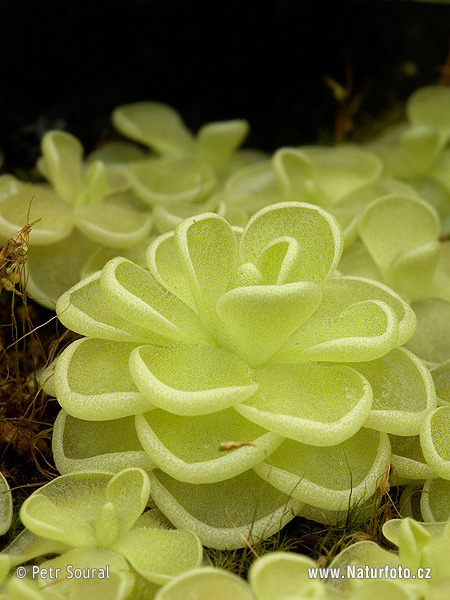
96, 520
420, 569
251, 378
85, 206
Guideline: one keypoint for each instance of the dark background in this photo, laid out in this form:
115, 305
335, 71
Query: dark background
67, 64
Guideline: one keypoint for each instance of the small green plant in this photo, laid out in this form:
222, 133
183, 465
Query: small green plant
94, 520
243, 337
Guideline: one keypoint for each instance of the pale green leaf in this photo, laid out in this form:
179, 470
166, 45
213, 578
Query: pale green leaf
85, 395
84, 310
156, 125
317, 234
212, 448
128, 492
261, 318
330, 477
191, 380
207, 252
62, 157
204, 584
403, 392
135, 296
158, 555
435, 441
153, 180
46, 519
225, 514
284, 576
112, 445
216, 142
335, 402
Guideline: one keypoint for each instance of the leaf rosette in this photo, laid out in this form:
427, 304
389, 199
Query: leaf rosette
93, 519
246, 364
84, 206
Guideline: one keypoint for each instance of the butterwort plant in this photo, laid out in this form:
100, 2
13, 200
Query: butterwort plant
249, 377
96, 520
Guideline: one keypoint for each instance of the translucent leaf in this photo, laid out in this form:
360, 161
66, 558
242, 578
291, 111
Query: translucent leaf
63, 155
21, 203
403, 392
107, 525
258, 183
5, 566
441, 378
135, 296
358, 556
27, 545
323, 175
117, 152
128, 492
85, 395
164, 265
204, 584
431, 341
116, 222
316, 232
46, 519
94, 185
200, 455
311, 403
261, 318
112, 579
107, 445
356, 260
226, 514
421, 142
207, 252
159, 555
363, 331
98, 259
156, 125
166, 217
284, 576
412, 537
153, 180
55, 268
191, 380
435, 500
435, 441
26, 589
330, 477
408, 461
66, 508
84, 310
378, 227
340, 293
216, 142
430, 106
413, 274
349, 209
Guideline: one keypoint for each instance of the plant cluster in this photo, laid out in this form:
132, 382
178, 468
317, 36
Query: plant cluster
263, 338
